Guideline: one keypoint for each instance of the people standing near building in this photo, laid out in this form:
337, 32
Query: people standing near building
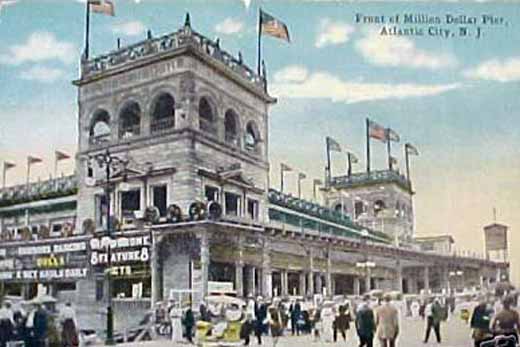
342, 322
69, 325
415, 307
40, 326
507, 321
7, 323
365, 323
276, 321
387, 322
433, 313
317, 324
328, 317
295, 311
247, 328
480, 322
261, 319
189, 322
175, 314
204, 312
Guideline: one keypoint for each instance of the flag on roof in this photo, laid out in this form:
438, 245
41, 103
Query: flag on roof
393, 160
333, 145
102, 6
392, 135
8, 165
33, 160
352, 157
377, 131
302, 176
61, 155
317, 182
285, 167
273, 27
410, 149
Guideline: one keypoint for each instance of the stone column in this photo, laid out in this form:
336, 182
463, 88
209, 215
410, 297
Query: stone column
251, 281
368, 277
310, 289
319, 284
499, 275
303, 289
155, 274
267, 273
426, 278
399, 277
328, 280
204, 261
285, 282
446, 279
357, 286
239, 268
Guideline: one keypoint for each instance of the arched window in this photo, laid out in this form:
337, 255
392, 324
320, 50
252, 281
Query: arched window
163, 113
130, 120
231, 127
359, 209
379, 207
252, 137
206, 117
100, 127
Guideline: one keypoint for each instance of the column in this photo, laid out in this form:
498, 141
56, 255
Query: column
155, 274
310, 275
328, 281
446, 279
239, 269
267, 274
357, 286
319, 284
399, 277
285, 282
426, 278
368, 277
303, 289
251, 281
499, 275
204, 262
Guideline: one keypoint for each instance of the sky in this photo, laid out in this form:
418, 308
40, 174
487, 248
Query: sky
455, 98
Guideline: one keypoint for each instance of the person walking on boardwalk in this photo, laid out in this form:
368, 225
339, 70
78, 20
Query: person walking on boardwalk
387, 322
434, 314
365, 324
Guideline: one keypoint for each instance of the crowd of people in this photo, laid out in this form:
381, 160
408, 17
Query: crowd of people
36, 326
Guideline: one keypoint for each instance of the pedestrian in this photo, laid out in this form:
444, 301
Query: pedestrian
433, 313
415, 308
40, 326
261, 319
328, 316
365, 323
295, 311
7, 324
204, 312
189, 323
175, 314
276, 321
387, 322
247, 328
342, 322
506, 322
317, 324
480, 323
69, 324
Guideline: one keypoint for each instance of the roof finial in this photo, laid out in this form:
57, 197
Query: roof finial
187, 21
149, 34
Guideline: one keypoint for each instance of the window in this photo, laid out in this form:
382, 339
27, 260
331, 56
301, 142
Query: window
101, 210
358, 209
231, 127
90, 171
206, 117
211, 193
163, 113
252, 209
160, 198
56, 229
252, 137
130, 202
130, 120
100, 287
232, 204
100, 127
379, 206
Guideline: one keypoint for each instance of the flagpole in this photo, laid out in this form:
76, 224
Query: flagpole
329, 173
389, 149
87, 29
259, 46
28, 171
314, 190
299, 187
407, 159
368, 145
349, 169
55, 166
281, 178
3, 176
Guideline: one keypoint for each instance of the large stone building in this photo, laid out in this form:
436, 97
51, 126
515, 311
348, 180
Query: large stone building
186, 125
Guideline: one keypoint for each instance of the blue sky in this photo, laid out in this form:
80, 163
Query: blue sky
456, 99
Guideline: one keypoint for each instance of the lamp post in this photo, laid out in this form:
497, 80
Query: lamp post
109, 162
366, 265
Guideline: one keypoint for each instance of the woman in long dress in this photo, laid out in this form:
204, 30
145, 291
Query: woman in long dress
327, 316
176, 322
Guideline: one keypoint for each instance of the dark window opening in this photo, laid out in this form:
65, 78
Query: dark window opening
57, 228
132, 288
100, 128
379, 206
232, 204
100, 287
358, 209
231, 127
206, 117
130, 202
252, 208
163, 115
252, 137
211, 193
160, 199
130, 120
101, 210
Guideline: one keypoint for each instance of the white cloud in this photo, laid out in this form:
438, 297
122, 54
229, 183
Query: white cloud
42, 74
496, 70
229, 26
132, 28
40, 46
400, 51
333, 33
327, 86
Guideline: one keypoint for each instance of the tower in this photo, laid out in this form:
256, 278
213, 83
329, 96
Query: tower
496, 246
380, 200
190, 120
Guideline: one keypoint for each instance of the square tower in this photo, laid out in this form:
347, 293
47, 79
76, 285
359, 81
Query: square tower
190, 119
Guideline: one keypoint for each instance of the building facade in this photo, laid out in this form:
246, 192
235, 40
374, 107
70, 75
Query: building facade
185, 126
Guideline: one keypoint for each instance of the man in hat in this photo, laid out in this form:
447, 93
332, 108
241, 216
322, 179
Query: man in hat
261, 318
365, 323
7, 323
387, 322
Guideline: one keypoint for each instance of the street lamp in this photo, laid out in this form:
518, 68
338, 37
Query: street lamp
109, 162
366, 265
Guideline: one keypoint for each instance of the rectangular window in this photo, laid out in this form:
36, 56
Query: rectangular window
252, 209
100, 287
101, 210
159, 198
56, 229
130, 202
211, 193
232, 204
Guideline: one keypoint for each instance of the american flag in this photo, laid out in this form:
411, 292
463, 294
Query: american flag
273, 27
377, 131
102, 6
